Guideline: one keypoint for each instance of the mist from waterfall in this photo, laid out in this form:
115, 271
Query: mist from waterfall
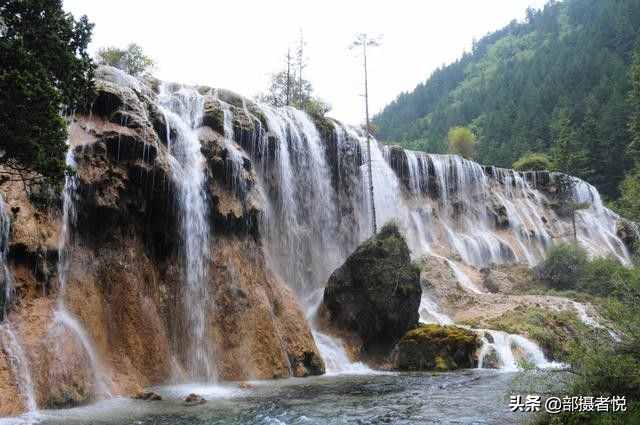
183, 110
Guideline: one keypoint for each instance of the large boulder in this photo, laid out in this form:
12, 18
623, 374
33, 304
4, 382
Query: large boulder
435, 347
629, 233
376, 293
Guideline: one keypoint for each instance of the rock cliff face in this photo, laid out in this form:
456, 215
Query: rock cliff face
126, 267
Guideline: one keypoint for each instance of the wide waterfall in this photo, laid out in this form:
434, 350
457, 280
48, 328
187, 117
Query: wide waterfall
183, 109
319, 213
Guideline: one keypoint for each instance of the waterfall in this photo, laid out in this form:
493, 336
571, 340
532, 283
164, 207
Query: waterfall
6, 280
590, 321
299, 226
183, 110
20, 366
430, 311
505, 346
335, 357
62, 316
8, 340
234, 161
597, 223
331, 349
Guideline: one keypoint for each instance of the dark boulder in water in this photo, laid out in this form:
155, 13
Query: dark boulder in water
194, 400
376, 293
148, 396
435, 347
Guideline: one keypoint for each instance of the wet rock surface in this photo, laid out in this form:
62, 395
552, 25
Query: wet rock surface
194, 400
375, 294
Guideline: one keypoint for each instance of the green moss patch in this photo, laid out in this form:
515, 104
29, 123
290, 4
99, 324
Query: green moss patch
435, 347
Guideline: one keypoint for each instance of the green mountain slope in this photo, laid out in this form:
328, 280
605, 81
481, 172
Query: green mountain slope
563, 73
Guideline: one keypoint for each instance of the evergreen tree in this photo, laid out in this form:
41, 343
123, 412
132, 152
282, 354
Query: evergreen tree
574, 54
629, 203
634, 103
45, 70
569, 156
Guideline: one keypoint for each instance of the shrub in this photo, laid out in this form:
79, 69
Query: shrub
563, 268
532, 162
462, 142
604, 277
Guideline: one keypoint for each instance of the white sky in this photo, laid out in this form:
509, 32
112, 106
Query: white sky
236, 44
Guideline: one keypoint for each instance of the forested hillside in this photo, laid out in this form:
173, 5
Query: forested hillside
559, 83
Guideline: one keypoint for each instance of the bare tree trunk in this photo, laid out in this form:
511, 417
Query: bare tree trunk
288, 77
366, 102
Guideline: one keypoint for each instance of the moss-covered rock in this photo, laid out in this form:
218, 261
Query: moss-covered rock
376, 293
435, 347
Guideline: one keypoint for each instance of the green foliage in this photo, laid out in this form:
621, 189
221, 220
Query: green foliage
45, 70
629, 203
573, 55
461, 142
568, 153
634, 102
281, 89
563, 268
547, 328
604, 277
317, 107
532, 162
131, 60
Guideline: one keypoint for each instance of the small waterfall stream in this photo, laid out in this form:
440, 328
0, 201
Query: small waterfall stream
9, 342
6, 280
20, 366
61, 315
183, 110
504, 346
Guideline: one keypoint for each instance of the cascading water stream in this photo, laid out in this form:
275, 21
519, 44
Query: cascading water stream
61, 315
18, 361
20, 366
6, 280
183, 110
503, 345
234, 161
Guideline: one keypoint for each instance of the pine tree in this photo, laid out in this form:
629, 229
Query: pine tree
45, 70
633, 149
569, 156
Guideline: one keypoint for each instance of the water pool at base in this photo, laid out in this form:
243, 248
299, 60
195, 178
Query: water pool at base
466, 397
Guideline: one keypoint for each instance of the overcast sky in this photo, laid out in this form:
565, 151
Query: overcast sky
236, 44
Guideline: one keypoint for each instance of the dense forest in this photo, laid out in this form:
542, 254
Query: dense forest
565, 83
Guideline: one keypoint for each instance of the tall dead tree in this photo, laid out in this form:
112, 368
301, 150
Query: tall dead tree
364, 41
302, 63
288, 77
